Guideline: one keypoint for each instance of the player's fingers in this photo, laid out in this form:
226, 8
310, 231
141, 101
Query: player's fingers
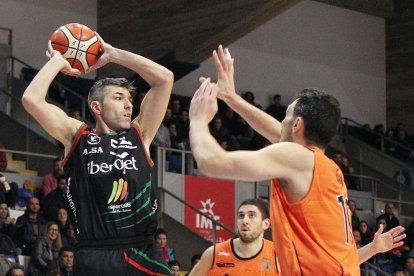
99, 38
217, 62
204, 85
396, 231
395, 245
380, 229
201, 79
220, 53
49, 46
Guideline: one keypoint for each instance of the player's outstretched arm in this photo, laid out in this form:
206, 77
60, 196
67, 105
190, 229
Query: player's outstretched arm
160, 79
382, 242
204, 265
276, 161
259, 120
53, 119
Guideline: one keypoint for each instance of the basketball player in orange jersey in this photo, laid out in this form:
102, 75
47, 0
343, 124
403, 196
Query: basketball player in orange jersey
109, 190
249, 254
311, 230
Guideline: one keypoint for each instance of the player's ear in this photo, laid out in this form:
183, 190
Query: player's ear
298, 124
95, 107
266, 224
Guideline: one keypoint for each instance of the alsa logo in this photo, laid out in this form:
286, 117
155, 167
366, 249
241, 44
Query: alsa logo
119, 196
93, 139
92, 150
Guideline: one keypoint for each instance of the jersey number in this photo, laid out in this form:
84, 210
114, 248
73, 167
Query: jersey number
343, 202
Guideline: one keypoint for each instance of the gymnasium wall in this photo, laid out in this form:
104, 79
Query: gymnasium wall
311, 45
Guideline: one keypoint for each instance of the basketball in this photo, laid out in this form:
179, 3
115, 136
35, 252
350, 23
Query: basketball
78, 44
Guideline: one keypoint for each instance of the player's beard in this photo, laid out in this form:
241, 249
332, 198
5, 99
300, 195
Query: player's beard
249, 238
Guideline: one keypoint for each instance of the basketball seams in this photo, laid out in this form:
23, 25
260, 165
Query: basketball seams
78, 44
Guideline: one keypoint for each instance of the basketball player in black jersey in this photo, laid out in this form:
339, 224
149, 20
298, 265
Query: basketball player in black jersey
110, 195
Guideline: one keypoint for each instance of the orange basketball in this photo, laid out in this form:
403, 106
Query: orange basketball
78, 44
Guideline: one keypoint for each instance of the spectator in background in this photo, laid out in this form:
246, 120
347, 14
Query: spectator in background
55, 200
244, 134
249, 97
390, 219
66, 256
276, 109
162, 137
183, 128
366, 235
355, 219
175, 106
194, 260
161, 238
66, 230
3, 158
175, 268
15, 271
44, 258
380, 130
218, 130
409, 266
50, 180
409, 241
9, 192
75, 113
29, 226
7, 224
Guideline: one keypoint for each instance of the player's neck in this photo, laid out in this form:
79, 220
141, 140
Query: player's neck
247, 250
104, 129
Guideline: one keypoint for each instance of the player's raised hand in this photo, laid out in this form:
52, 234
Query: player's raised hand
106, 54
225, 73
204, 102
56, 55
384, 242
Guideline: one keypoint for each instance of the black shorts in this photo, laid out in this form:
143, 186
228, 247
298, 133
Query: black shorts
142, 260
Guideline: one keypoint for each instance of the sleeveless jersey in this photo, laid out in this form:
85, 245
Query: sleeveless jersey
227, 263
314, 236
109, 188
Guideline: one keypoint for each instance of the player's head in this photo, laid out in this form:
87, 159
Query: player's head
252, 219
110, 101
318, 115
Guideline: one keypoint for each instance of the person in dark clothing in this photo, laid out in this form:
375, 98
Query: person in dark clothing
55, 200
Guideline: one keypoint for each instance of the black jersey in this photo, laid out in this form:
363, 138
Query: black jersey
110, 193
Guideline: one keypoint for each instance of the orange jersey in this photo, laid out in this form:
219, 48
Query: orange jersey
226, 262
314, 236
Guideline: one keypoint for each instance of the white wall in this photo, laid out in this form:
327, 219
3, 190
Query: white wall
34, 21
311, 45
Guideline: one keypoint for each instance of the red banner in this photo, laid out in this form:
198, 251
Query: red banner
214, 198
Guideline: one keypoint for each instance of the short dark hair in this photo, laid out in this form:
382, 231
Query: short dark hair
194, 258
9, 272
172, 263
321, 114
159, 232
96, 93
66, 249
260, 204
62, 176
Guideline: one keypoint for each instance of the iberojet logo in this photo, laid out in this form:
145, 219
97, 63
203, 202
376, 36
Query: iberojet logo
119, 195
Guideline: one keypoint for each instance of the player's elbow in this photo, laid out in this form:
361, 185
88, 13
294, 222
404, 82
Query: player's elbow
166, 78
27, 102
